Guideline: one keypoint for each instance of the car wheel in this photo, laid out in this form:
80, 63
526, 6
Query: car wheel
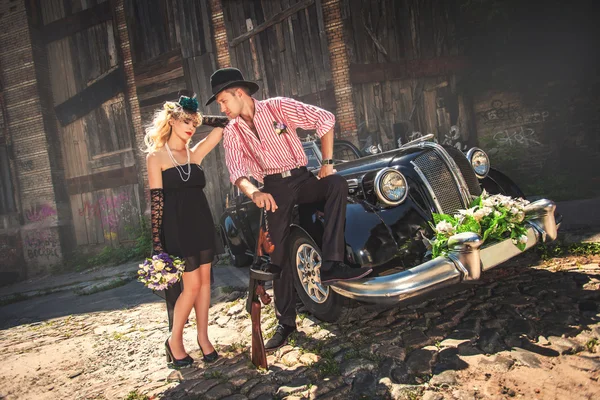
321, 301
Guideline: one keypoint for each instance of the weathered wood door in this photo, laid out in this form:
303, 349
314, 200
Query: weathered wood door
283, 47
87, 85
404, 68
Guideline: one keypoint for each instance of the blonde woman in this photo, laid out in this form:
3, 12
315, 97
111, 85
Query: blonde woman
182, 224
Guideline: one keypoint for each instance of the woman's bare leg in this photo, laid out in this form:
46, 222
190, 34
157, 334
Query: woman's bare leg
201, 306
183, 307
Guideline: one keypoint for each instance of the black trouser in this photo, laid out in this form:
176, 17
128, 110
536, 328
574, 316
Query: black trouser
302, 188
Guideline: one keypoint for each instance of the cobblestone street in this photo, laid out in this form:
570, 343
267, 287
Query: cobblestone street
530, 330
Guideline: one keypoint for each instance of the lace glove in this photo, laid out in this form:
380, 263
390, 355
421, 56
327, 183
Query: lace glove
157, 203
216, 121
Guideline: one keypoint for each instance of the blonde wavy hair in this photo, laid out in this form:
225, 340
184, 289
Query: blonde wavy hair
159, 130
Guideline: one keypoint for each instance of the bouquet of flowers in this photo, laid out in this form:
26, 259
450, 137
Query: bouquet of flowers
494, 217
160, 271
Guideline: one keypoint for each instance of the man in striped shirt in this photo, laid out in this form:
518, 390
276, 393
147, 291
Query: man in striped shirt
260, 140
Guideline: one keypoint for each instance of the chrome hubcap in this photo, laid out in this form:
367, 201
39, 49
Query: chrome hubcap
308, 265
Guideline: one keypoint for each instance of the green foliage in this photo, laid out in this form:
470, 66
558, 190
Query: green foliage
110, 256
558, 249
493, 218
135, 395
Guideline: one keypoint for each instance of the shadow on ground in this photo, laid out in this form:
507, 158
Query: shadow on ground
393, 352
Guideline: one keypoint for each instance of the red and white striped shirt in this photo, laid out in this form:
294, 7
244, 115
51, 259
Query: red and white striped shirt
274, 153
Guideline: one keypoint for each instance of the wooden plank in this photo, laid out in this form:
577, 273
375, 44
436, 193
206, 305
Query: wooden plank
102, 180
161, 64
74, 23
206, 24
91, 97
379, 72
275, 19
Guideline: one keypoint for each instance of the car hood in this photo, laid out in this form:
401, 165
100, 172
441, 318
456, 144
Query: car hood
377, 161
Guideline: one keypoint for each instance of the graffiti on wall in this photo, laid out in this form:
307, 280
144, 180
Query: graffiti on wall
42, 245
510, 125
111, 212
39, 213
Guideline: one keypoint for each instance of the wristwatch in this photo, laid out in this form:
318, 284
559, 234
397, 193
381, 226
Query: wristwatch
327, 161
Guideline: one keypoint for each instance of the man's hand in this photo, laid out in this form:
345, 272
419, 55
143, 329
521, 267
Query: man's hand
264, 200
326, 170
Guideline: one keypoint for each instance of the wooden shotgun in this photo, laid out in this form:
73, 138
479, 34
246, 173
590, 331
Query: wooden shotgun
257, 294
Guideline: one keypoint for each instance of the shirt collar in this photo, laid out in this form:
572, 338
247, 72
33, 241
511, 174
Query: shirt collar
259, 106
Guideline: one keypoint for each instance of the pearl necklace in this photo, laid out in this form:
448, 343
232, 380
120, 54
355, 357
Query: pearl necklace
179, 167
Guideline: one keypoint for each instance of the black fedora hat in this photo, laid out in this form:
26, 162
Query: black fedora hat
225, 78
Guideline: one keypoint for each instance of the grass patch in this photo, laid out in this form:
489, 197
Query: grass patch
15, 298
119, 336
557, 249
101, 288
591, 345
218, 375
111, 256
135, 395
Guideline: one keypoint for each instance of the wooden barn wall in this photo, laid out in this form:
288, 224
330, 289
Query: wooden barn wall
403, 66
172, 49
98, 144
289, 58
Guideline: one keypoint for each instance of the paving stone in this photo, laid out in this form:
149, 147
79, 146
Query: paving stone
473, 325
451, 342
364, 384
394, 352
309, 358
295, 386
223, 320
267, 389
236, 309
526, 358
219, 391
246, 387
564, 345
291, 358
499, 363
235, 397
415, 338
203, 387
350, 368
490, 341
430, 395
384, 369
446, 378
421, 361
400, 374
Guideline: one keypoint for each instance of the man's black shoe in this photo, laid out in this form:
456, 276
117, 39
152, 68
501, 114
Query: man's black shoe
341, 272
279, 339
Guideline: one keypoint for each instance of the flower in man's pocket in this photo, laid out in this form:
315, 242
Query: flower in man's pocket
279, 127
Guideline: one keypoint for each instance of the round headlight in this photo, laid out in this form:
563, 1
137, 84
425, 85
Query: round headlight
391, 186
479, 161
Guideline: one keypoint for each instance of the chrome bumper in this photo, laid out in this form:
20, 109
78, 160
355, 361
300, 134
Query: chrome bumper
466, 261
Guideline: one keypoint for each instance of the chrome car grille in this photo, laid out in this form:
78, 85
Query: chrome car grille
466, 169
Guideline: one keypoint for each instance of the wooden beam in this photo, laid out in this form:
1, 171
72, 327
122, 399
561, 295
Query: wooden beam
102, 180
91, 97
76, 22
275, 19
408, 69
160, 99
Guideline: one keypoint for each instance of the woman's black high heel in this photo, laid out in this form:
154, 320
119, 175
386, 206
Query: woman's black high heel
184, 362
208, 358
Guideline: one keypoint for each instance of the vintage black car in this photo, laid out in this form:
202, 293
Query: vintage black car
387, 227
